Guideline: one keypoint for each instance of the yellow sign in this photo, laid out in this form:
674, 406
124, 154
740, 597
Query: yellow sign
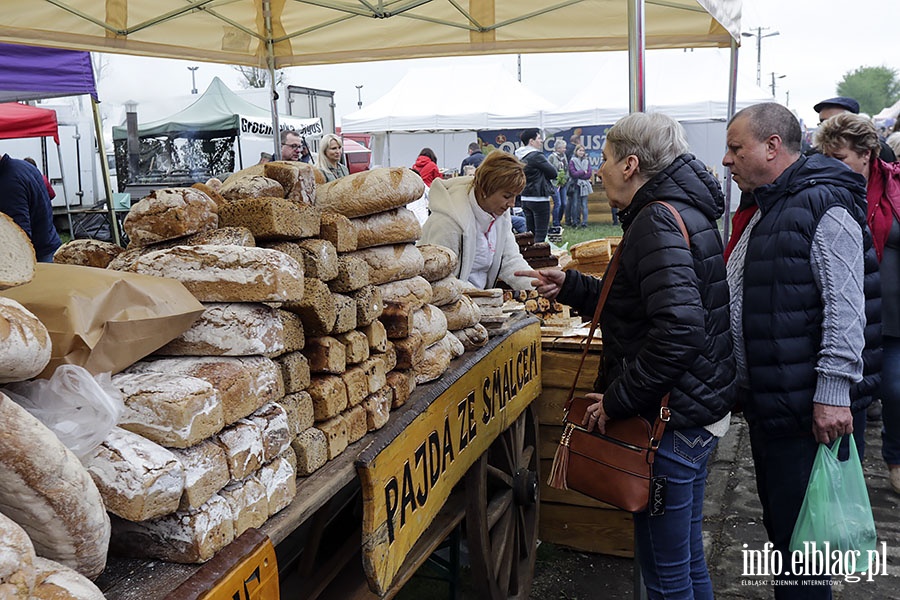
407, 482
255, 577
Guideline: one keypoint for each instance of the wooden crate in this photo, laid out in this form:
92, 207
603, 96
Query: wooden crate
567, 517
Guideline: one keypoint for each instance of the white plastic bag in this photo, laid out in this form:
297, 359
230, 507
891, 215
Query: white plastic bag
79, 408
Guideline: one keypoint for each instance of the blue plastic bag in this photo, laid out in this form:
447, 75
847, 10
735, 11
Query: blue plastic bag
836, 514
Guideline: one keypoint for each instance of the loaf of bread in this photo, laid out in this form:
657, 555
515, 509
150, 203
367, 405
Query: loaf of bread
311, 449
271, 219
243, 445
211, 190
388, 357
205, 472
227, 273
397, 226
456, 346
376, 373
370, 192
337, 229
298, 180
353, 273
248, 503
402, 383
336, 435
356, 345
230, 329
326, 355
137, 478
294, 334
17, 260
55, 581
391, 263
472, 337
48, 492
461, 314
397, 319
24, 343
17, 561
378, 408
440, 261
369, 304
87, 253
345, 309
430, 322
317, 308
446, 291
192, 536
298, 409
320, 259
272, 421
435, 362
279, 478
251, 186
357, 423
376, 335
168, 214
329, 396
414, 291
294, 371
356, 380
223, 236
410, 351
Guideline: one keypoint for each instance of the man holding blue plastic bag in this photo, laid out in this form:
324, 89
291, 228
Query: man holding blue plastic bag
802, 285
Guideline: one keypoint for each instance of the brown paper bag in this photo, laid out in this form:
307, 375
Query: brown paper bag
105, 321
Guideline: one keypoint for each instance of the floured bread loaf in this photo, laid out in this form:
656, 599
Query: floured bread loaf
250, 186
440, 262
170, 213
337, 229
243, 445
397, 226
227, 273
446, 291
461, 314
271, 219
430, 322
378, 408
414, 291
298, 180
248, 503
50, 494
137, 478
205, 472
391, 263
223, 236
472, 337
230, 329
17, 561
182, 537
87, 253
55, 581
320, 259
17, 258
370, 192
272, 421
24, 343
279, 478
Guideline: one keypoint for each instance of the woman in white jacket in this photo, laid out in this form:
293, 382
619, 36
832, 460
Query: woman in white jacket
471, 216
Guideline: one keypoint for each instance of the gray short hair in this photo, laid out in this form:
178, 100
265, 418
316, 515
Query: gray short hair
656, 139
770, 118
560, 143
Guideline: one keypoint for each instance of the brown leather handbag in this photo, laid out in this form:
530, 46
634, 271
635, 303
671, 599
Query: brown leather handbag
615, 467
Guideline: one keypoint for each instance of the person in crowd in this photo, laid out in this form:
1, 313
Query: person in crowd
291, 143
841, 104
330, 151
540, 178
471, 216
853, 140
24, 199
50, 191
473, 159
426, 166
264, 157
580, 172
559, 161
305, 155
665, 331
798, 312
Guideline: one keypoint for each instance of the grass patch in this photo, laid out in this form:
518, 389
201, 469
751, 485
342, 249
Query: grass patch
572, 236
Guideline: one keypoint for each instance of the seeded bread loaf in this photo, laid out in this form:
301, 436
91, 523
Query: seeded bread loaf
440, 262
370, 192
299, 410
345, 318
337, 229
356, 345
369, 304
329, 396
205, 472
87, 253
353, 274
376, 335
168, 214
356, 380
294, 371
317, 308
391, 263
271, 219
24, 343
336, 435
320, 258
326, 355
357, 423
397, 226
311, 449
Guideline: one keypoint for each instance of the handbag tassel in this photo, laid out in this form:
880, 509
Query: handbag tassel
559, 469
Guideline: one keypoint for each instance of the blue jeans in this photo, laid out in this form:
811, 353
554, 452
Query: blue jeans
671, 545
518, 224
559, 205
537, 218
580, 210
890, 400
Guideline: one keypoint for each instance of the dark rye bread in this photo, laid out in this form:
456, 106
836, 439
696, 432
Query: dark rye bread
271, 219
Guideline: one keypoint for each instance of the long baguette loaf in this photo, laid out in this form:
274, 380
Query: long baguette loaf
370, 192
24, 343
397, 226
170, 213
391, 263
50, 494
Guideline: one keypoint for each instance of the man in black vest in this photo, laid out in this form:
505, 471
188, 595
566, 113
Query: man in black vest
798, 311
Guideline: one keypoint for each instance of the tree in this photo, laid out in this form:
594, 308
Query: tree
254, 77
873, 87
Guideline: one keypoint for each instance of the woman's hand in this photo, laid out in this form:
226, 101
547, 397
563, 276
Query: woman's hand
548, 282
595, 416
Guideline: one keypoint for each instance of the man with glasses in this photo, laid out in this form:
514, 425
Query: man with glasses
291, 144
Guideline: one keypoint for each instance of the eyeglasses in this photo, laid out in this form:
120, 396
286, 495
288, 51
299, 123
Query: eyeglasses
294, 146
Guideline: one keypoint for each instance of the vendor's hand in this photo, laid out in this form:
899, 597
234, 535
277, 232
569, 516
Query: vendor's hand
595, 417
548, 282
831, 422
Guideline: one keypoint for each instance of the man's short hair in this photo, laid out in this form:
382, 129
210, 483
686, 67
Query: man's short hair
286, 133
474, 147
529, 134
770, 118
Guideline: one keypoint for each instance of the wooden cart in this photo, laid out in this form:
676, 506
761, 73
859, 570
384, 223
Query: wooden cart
464, 448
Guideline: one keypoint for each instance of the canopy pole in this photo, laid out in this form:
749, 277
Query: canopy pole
65, 192
270, 65
636, 42
732, 107
104, 170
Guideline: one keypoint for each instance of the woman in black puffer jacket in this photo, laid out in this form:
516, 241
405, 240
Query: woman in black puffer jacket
665, 330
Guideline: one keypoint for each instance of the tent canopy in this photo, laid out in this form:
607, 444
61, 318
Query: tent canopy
243, 32
22, 121
31, 72
437, 100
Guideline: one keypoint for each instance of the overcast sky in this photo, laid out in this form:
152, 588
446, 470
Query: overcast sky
817, 43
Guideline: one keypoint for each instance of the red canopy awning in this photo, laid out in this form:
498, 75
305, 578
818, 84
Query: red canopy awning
24, 121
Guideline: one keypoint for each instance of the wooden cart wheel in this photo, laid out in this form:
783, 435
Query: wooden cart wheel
502, 490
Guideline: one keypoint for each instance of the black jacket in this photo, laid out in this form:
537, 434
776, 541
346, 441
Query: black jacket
540, 176
666, 322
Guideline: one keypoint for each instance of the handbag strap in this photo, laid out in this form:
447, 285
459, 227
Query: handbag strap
608, 277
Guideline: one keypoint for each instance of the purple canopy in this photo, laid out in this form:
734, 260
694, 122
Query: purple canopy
31, 72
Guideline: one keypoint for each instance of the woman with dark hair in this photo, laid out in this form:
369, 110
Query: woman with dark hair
426, 166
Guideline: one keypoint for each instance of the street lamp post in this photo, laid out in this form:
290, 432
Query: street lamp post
359, 96
193, 71
774, 77
133, 144
759, 38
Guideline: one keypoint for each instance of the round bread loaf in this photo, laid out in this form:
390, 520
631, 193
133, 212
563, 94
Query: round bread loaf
17, 559
430, 322
461, 314
414, 291
168, 214
24, 343
440, 261
370, 192
58, 582
391, 263
251, 186
16, 254
48, 492
446, 290
397, 226
87, 253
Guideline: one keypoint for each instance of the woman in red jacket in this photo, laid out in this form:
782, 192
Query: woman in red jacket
426, 166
